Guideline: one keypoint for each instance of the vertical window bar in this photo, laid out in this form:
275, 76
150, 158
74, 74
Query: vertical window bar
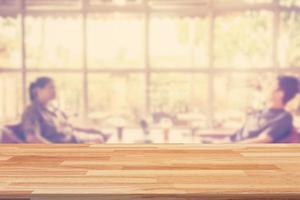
211, 31
275, 36
85, 67
147, 57
23, 53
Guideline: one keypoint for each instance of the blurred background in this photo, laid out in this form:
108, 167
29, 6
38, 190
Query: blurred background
181, 64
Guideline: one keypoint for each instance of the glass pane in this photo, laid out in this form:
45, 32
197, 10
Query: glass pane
243, 40
238, 94
11, 97
54, 42
116, 96
69, 91
180, 96
10, 42
290, 2
289, 43
115, 41
178, 42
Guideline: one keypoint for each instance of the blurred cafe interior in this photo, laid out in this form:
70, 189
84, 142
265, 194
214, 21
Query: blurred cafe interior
149, 71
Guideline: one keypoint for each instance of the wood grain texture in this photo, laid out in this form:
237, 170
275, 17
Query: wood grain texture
149, 172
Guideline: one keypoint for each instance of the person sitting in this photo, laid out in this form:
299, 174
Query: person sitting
270, 125
43, 123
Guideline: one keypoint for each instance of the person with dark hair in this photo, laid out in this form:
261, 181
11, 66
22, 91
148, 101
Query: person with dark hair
271, 125
43, 123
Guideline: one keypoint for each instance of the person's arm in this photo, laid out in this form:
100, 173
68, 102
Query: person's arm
262, 138
75, 127
96, 135
92, 135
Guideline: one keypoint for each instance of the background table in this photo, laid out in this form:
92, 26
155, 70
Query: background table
149, 172
176, 135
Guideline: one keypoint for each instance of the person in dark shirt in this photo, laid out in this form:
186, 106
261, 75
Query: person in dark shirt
272, 124
43, 123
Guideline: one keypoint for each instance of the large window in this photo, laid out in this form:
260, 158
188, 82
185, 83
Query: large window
195, 63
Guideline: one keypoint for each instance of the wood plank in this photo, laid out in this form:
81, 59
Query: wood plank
149, 172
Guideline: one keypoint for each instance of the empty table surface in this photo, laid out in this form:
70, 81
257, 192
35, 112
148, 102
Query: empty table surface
150, 172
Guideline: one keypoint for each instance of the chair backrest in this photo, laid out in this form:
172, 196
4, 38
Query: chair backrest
12, 134
293, 137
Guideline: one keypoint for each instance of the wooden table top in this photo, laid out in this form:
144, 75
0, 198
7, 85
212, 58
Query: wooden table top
150, 172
